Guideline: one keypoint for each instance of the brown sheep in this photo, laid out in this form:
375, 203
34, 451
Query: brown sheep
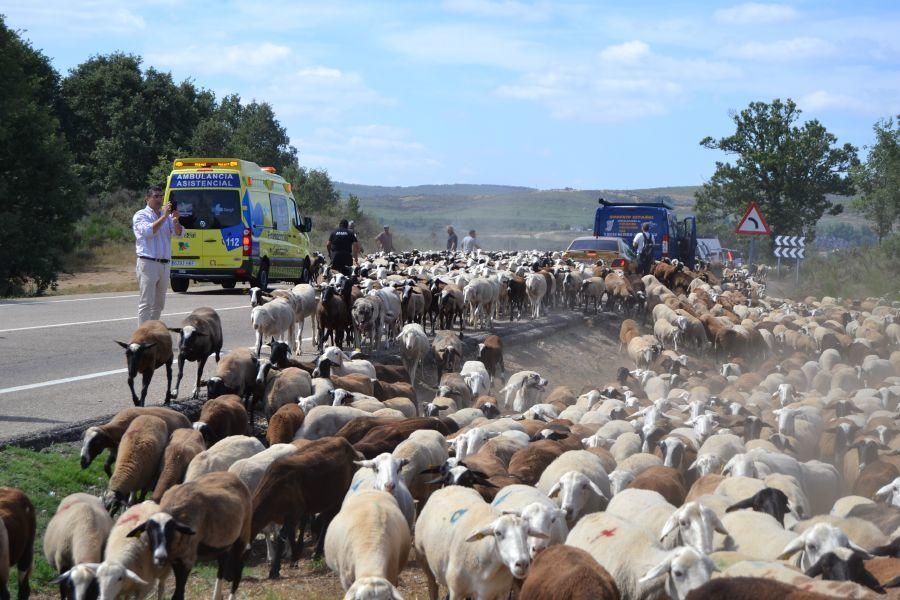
490, 353
235, 374
296, 487
148, 348
386, 437
452, 385
665, 480
357, 428
383, 390
96, 439
488, 406
751, 588
391, 373
527, 464
284, 424
222, 417
566, 572
183, 446
17, 516
138, 462
704, 486
354, 382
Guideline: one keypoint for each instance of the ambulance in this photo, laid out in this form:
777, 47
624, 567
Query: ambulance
241, 224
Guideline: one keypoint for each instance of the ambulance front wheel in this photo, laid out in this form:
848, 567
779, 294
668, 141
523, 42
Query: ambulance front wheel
179, 284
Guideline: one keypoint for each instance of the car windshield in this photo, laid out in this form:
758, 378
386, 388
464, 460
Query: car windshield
208, 209
595, 244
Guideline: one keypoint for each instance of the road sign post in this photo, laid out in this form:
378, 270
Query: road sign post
752, 223
790, 246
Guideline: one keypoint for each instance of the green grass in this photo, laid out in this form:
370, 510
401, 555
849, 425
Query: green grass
47, 477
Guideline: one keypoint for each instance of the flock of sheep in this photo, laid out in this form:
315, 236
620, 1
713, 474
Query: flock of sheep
751, 452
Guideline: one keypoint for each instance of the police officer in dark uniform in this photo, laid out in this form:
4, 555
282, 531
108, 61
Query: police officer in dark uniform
343, 247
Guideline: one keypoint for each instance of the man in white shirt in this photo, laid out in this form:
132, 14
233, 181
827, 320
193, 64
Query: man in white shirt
153, 229
643, 247
469, 243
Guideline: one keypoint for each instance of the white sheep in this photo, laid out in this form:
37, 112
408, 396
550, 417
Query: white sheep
356, 400
540, 511
383, 473
580, 481
368, 538
423, 449
323, 421
222, 455
476, 377
536, 289
342, 365
817, 541
756, 535
642, 569
414, 345
468, 546
274, 319
128, 566
76, 535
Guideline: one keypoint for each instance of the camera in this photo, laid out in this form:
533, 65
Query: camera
173, 204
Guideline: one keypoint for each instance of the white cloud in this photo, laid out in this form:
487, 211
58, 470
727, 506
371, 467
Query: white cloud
466, 45
821, 100
368, 153
753, 13
503, 9
628, 52
322, 93
90, 17
795, 49
625, 82
223, 59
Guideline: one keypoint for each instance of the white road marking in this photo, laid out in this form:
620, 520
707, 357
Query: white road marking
31, 303
31, 386
108, 320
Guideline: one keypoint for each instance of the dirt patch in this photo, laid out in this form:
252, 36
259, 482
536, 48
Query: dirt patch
107, 269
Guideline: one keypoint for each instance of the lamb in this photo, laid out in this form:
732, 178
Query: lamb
17, 522
522, 390
183, 446
76, 534
273, 319
540, 512
128, 567
341, 365
138, 461
235, 374
222, 417
149, 348
100, 437
413, 348
189, 522
200, 335
284, 424
641, 568
490, 353
448, 351
368, 540
567, 572
297, 486
456, 517
581, 482
222, 455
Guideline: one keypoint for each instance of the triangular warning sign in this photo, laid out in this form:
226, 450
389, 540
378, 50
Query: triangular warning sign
752, 222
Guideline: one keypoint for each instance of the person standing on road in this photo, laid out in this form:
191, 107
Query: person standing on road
343, 248
643, 247
386, 240
153, 228
452, 240
469, 243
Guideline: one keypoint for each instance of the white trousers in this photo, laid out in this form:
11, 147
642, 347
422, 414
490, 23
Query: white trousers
153, 279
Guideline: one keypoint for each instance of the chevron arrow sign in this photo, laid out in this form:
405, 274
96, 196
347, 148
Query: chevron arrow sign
781, 252
790, 241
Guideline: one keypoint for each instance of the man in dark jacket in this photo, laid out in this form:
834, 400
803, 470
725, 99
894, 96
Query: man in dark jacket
343, 248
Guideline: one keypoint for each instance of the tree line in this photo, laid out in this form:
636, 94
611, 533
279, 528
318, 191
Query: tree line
793, 171
73, 143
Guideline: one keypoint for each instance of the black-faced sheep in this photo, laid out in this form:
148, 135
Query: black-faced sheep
200, 335
149, 348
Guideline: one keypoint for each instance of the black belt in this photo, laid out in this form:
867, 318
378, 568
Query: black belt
159, 260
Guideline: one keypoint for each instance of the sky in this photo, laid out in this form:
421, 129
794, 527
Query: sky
584, 94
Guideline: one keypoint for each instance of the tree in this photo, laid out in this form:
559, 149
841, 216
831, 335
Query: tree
314, 190
787, 169
353, 209
38, 186
121, 120
878, 180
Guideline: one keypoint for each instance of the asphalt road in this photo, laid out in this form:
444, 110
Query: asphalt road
59, 363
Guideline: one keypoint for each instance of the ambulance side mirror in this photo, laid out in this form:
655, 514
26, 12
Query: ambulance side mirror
307, 224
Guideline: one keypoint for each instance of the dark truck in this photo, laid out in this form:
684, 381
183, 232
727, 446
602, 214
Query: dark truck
673, 238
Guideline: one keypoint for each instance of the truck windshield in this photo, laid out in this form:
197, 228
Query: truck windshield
208, 209
595, 244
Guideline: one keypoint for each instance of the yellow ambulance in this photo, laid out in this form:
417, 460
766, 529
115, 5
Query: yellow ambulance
241, 224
